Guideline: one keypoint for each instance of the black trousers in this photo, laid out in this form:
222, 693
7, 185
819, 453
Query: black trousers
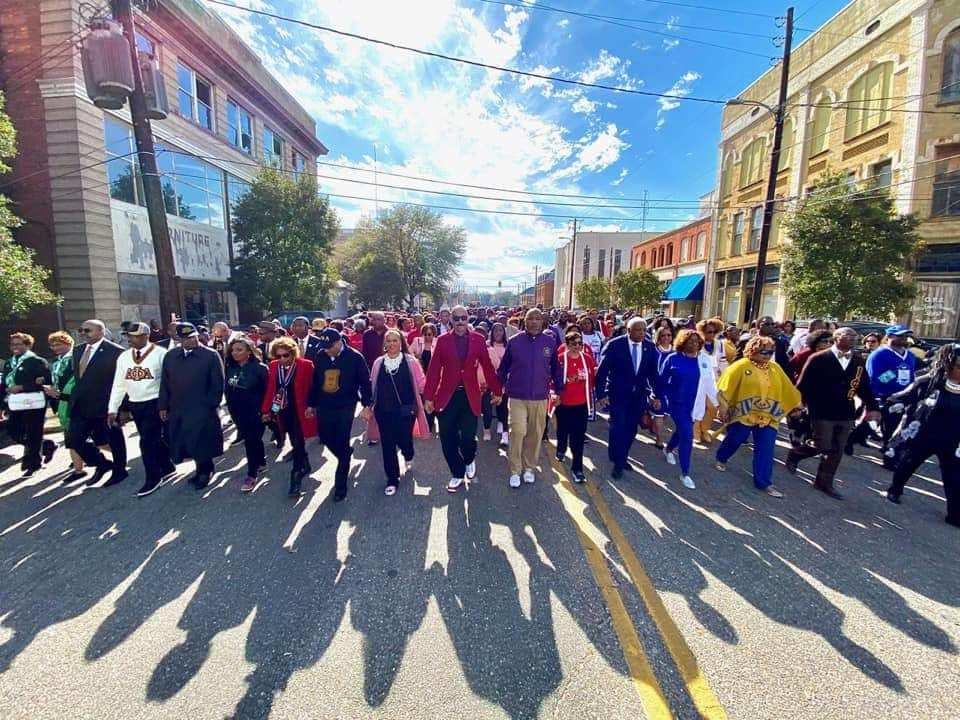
26, 427
251, 430
923, 447
291, 426
888, 423
488, 410
396, 433
333, 426
84, 433
572, 430
153, 445
458, 433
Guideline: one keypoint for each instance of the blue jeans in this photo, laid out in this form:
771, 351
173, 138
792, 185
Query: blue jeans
682, 438
764, 441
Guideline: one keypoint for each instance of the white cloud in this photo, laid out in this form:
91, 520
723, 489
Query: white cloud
334, 76
584, 106
669, 44
563, 23
620, 178
672, 22
681, 88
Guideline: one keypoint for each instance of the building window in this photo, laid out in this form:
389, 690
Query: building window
684, 249
601, 262
701, 244
736, 240
616, 262
950, 82
272, 148
869, 100
145, 45
123, 172
881, 173
725, 174
820, 126
192, 188
298, 161
946, 182
194, 96
751, 169
670, 254
643, 258
660, 257
239, 127
586, 263
786, 145
756, 226
850, 180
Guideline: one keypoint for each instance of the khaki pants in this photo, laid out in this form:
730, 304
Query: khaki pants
527, 421
702, 429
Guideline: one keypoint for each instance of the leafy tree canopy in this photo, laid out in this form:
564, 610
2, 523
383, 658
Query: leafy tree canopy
848, 253
637, 289
283, 234
593, 293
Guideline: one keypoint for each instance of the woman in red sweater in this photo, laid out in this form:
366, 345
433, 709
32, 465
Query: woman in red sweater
577, 374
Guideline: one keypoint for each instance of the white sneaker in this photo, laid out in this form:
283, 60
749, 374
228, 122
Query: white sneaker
670, 456
486, 435
500, 429
504, 439
514, 481
454, 484
688, 482
471, 470
528, 476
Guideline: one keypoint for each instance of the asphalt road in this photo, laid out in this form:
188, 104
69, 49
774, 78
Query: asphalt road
619, 599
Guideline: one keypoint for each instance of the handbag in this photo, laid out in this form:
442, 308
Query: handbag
26, 401
406, 410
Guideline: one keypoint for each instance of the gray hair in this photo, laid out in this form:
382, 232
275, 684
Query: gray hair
636, 320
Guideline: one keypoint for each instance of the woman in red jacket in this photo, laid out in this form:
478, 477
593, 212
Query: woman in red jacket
577, 377
288, 385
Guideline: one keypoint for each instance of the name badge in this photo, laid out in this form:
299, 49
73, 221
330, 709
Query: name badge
903, 376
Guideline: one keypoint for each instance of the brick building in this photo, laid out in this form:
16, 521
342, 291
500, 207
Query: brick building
679, 258
76, 184
544, 292
598, 254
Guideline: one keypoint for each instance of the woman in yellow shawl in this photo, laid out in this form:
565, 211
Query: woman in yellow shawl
755, 394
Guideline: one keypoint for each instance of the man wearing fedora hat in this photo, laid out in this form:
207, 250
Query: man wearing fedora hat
191, 388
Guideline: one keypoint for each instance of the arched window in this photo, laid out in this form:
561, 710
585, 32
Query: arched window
725, 174
950, 82
660, 256
751, 169
684, 249
819, 128
701, 244
786, 145
869, 100
669, 254
643, 258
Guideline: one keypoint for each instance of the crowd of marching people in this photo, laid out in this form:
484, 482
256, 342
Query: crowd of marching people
455, 373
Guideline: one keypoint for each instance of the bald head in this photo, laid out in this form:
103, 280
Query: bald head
533, 321
93, 330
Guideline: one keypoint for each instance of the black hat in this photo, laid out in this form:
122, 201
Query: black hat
135, 328
328, 337
186, 330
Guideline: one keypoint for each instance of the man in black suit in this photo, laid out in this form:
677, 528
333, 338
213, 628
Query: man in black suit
626, 379
829, 382
170, 339
310, 345
94, 364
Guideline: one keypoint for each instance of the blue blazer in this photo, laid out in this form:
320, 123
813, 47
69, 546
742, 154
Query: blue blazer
617, 380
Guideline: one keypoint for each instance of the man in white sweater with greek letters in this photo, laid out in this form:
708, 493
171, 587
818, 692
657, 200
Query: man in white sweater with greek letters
138, 379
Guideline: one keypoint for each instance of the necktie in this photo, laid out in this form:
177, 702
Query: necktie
845, 356
137, 356
84, 361
635, 354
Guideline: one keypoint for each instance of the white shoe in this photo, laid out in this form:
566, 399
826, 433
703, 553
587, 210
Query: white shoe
670, 456
471, 470
688, 482
528, 476
504, 439
514, 481
486, 435
454, 484
722, 467
500, 428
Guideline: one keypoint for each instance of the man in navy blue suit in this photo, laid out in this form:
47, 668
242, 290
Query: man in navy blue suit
626, 379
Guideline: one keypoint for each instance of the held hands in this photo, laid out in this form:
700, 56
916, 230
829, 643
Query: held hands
602, 403
495, 400
366, 414
428, 405
51, 391
872, 416
164, 415
309, 412
654, 403
265, 417
111, 419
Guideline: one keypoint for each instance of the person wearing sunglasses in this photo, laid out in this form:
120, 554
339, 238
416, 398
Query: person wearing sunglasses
25, 374
289, 379
453, 390
577, 378
754, 395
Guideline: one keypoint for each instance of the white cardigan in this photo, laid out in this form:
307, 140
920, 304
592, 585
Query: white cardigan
708, 385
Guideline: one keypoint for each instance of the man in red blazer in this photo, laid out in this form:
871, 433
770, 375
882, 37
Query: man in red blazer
453, 392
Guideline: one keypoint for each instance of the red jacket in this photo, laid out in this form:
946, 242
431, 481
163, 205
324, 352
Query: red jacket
302, 380
446, 372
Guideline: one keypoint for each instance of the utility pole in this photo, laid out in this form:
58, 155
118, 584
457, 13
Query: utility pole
573, 259
152, 191
536, 277
779, 114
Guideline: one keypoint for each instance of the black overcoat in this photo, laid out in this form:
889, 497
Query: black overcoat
191, 388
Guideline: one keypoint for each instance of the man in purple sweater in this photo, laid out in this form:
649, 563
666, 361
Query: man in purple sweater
526, 371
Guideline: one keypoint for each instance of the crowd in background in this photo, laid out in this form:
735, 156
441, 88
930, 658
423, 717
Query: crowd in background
452, 373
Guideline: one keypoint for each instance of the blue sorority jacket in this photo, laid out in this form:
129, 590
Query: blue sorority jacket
617, 380
889, 373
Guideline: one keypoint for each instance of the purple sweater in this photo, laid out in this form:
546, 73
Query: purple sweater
528, 366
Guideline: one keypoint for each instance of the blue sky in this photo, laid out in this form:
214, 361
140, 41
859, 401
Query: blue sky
437, 119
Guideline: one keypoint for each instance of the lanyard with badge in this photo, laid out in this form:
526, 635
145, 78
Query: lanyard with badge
284, 376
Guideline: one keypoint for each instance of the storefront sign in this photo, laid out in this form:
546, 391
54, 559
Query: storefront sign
199, 251
935, 309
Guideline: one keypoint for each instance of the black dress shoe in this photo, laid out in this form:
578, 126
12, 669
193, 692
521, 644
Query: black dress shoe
74, 476
116, 477
98, 474
28, 472
628, 468
791, 465
893, 497
295, 490
829, 491
616, 473
953, 521
200, 480
48, 448
339, 495
149, 486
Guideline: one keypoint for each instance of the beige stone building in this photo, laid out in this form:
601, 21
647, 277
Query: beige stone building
76, 182
856, 90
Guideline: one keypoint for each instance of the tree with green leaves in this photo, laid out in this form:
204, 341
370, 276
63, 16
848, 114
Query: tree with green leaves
593, 293
848, 253
22, 281
283, 235
637, 289
405, 252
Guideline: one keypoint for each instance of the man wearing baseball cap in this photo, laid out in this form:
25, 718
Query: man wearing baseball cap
137, 378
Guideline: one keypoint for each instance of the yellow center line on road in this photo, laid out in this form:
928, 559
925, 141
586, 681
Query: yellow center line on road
652, 698
702, 695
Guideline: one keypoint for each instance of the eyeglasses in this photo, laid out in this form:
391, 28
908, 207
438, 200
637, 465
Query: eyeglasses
767, 353
282, 356
460, 318
84, 331
574, 341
